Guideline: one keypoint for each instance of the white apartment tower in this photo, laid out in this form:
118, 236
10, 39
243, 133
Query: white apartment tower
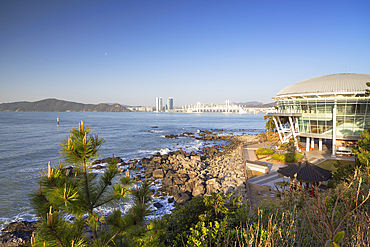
170, 103
158, 104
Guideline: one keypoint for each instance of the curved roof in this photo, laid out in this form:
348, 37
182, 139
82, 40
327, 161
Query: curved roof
306, 171
336, 83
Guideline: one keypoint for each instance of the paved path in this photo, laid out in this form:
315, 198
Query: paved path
273, 177
268, 179
249, 154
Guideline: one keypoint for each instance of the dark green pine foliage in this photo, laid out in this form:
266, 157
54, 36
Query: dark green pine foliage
67, 200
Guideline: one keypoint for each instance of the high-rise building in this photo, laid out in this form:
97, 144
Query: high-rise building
170, 103
158, 104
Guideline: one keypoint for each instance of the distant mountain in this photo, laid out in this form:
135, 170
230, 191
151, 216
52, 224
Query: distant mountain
55, 105
249, 103
257, 104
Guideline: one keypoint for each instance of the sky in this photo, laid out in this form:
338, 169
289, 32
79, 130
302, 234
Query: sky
132, 51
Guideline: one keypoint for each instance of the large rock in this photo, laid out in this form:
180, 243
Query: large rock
167, 181
192, 183
181, 198
178, 181
158, 173
192, 174
212, 181
17, 234
198, 190
170, 174
195, 158
173, 189
158, 205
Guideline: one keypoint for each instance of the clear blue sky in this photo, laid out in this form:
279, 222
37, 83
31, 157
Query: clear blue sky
131, 51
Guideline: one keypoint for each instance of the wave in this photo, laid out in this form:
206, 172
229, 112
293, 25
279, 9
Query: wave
24, 216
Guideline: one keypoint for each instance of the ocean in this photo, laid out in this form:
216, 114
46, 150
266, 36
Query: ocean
29, 140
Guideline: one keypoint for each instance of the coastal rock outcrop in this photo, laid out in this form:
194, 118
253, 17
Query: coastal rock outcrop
217, 168
17, 234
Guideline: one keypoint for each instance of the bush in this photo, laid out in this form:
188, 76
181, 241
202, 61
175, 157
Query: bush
264, 151
200, 213
288, 157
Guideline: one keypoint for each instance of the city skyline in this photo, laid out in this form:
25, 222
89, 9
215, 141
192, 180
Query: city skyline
129, 52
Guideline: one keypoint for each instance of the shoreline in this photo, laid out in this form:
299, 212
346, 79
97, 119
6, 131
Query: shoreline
182, 176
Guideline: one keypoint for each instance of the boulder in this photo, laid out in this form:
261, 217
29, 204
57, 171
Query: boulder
196, 158
215, 187
173, 189
198, 190
212, 181
178, 181
158, 173
69, 171
17, 233
181, 198
132, 166
158, 205
167, 181
170, 174
192, 174
189, 185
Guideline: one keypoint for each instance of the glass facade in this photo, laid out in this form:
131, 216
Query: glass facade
352, 114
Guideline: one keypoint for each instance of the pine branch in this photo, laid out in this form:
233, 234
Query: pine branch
56, 237
103, 203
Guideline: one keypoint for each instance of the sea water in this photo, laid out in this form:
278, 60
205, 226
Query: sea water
29, 140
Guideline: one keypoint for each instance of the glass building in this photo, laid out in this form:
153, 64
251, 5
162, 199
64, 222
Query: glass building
334, 108
170, 103
158, 104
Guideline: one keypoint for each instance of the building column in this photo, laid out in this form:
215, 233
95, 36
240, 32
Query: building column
320, 144
312, 142
333, 153
307, 144
277, 126
294, 133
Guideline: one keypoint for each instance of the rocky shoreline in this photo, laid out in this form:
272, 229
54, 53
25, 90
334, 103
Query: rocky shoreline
216, 168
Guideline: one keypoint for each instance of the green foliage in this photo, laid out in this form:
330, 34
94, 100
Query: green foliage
79, 196
287, 157
207, 235
264, 151
337, 239
288, 147
363, 150
343, 172
270, 124
216, 207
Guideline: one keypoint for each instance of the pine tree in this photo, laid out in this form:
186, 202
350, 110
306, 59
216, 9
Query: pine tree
68, 200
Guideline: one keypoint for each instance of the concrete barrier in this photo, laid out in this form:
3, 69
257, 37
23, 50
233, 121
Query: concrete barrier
257, 166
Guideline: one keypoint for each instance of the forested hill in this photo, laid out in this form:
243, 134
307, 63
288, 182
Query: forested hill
54, 105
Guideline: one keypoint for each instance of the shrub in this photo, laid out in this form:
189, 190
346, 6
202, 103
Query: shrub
288, 157
199, 213
264, 151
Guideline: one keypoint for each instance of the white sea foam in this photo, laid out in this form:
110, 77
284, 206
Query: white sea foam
24, 216
156, 131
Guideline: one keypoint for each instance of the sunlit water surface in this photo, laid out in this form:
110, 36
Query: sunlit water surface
28, 140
